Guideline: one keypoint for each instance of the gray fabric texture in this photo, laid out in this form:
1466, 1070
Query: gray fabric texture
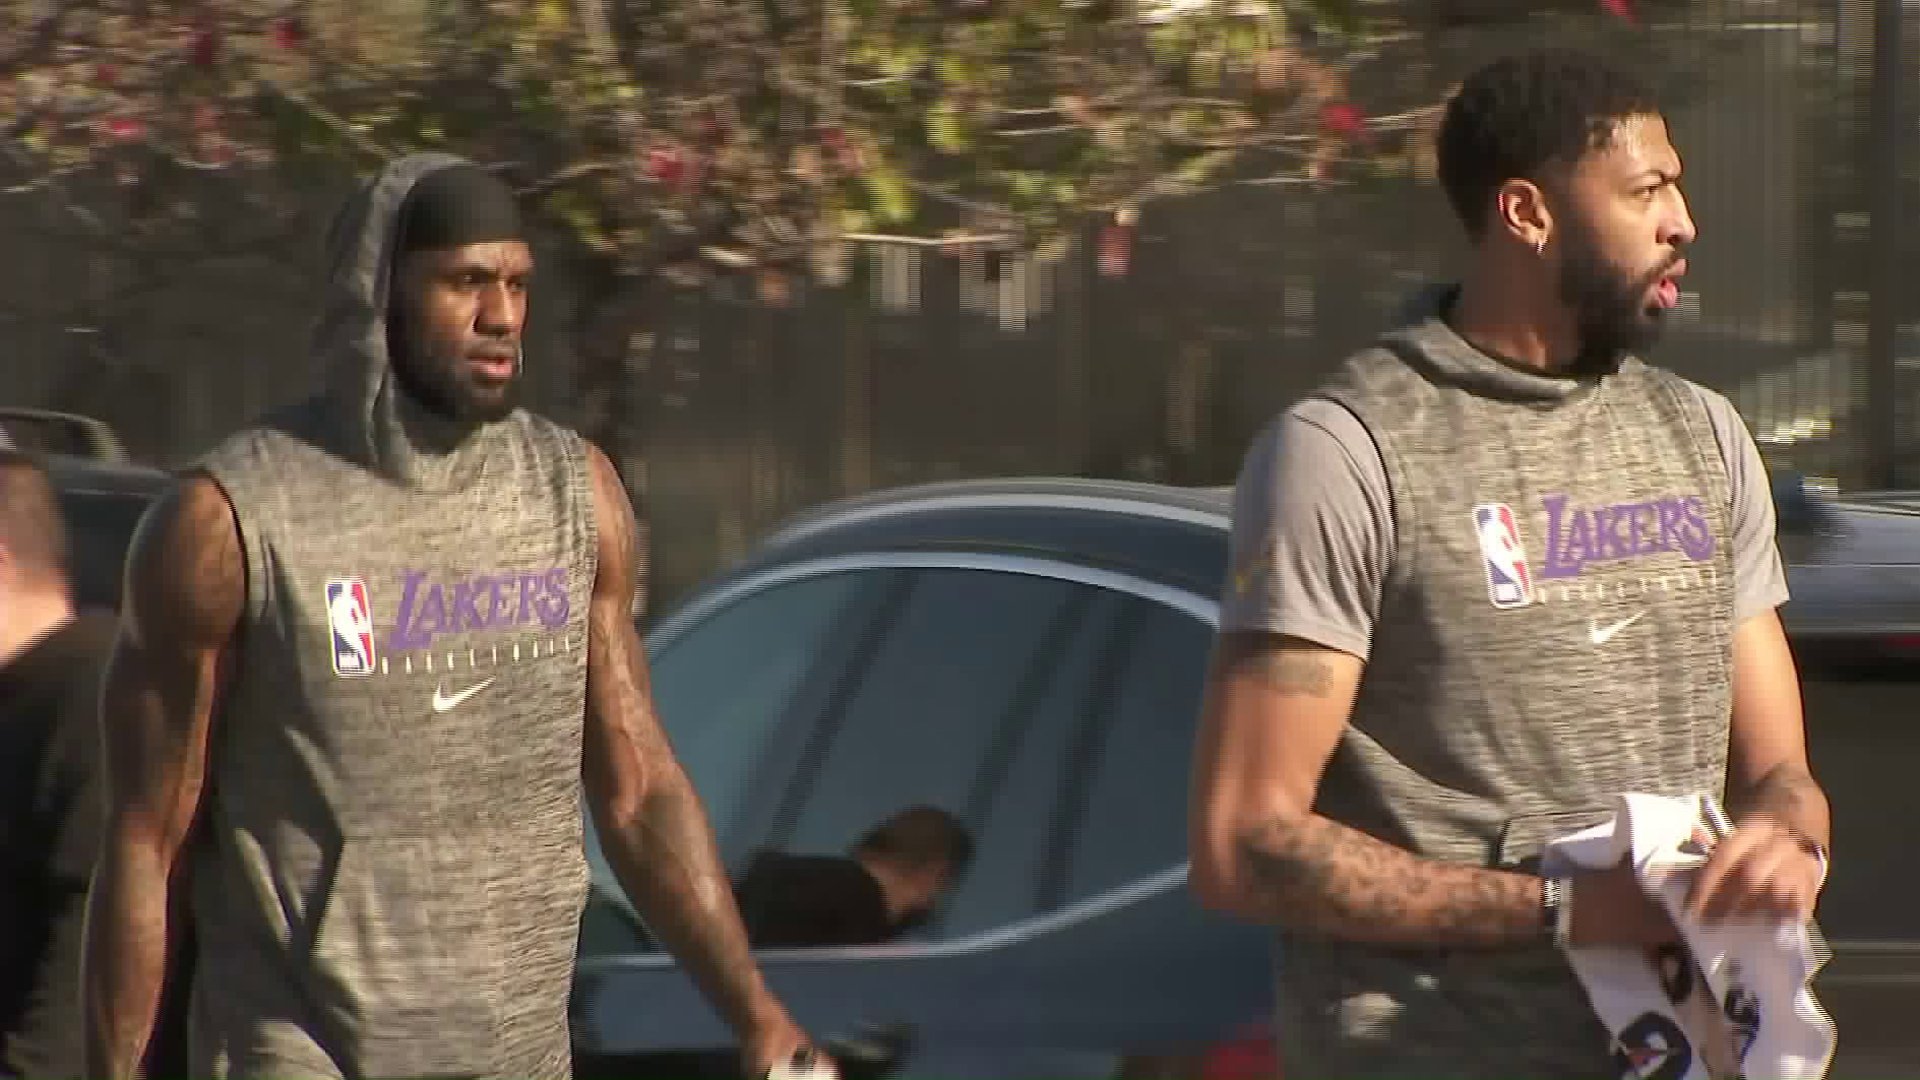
390, 874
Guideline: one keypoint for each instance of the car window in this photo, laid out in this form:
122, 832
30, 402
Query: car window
1017, 812
1124, 811
721, 689
969, 702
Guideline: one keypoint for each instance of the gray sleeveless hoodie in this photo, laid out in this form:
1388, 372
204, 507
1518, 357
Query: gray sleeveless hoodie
389, 877
1555, 630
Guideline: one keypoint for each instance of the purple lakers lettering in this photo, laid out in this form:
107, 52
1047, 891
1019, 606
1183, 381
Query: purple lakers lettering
1580, 536
487, 602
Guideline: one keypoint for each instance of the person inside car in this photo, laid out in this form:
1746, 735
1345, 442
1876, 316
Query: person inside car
889, 883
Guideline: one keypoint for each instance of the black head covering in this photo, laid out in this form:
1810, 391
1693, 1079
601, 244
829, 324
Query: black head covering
458, 205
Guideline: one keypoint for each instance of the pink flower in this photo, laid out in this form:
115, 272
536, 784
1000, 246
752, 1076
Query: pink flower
1343, 118
288, 33
665, 165
205, 48
842, 149
1621, 9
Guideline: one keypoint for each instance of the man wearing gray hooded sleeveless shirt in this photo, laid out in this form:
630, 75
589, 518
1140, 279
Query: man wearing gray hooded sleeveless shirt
374, 651
1495, 574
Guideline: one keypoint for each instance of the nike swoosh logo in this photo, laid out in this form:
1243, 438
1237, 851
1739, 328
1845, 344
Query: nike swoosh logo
1600, 635
441, 702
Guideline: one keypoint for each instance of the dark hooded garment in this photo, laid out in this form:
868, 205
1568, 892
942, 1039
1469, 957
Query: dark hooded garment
457, 206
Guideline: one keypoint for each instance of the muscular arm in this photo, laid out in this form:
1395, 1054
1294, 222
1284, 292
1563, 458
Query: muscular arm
1767, 770
185, 590
651, 821
1765, 868
1273, 715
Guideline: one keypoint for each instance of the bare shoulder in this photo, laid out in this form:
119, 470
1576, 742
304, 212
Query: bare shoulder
609, 493
186, 575
619, 569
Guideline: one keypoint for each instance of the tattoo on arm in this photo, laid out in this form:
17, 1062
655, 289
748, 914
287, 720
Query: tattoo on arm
657, 836
1296, 868
1317, 874
1290, 672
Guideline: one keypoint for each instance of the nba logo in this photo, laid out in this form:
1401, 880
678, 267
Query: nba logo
351, 617
1509, 582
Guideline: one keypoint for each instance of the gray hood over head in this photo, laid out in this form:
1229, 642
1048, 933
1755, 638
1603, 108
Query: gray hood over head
379, 427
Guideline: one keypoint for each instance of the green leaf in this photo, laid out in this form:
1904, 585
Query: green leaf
1207, 68
1242, 42
1029, 185
888, 192
1341, 16
1200, 169
905, 60
946, 128
853, 220
1190, 121
551, 17
953, 69
1169, 42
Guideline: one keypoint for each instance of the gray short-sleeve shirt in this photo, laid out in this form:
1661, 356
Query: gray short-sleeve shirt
1313, 534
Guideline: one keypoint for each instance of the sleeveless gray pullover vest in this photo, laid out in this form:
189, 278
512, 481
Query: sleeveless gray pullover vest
390, 875
1555, 630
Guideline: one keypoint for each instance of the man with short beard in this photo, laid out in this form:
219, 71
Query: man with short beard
1496, 573
376, 653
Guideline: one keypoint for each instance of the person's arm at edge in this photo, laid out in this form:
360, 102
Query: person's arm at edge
185, 593
1770, 782
655, 830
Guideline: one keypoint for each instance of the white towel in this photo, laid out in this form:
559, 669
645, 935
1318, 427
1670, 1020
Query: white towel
1753, 1015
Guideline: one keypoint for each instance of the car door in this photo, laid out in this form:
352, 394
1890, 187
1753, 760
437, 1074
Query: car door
967, 683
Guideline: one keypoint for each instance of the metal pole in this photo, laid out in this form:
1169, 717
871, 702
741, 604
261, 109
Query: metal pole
1882, 159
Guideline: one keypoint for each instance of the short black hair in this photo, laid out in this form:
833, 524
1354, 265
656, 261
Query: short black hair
921, 835
1519, 114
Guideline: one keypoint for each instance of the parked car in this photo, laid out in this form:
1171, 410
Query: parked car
1028, 654
1851, 562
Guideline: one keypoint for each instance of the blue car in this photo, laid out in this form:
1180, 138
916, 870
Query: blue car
1026, 655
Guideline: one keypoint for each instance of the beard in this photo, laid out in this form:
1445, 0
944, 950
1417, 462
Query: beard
1611, 310
445, 386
